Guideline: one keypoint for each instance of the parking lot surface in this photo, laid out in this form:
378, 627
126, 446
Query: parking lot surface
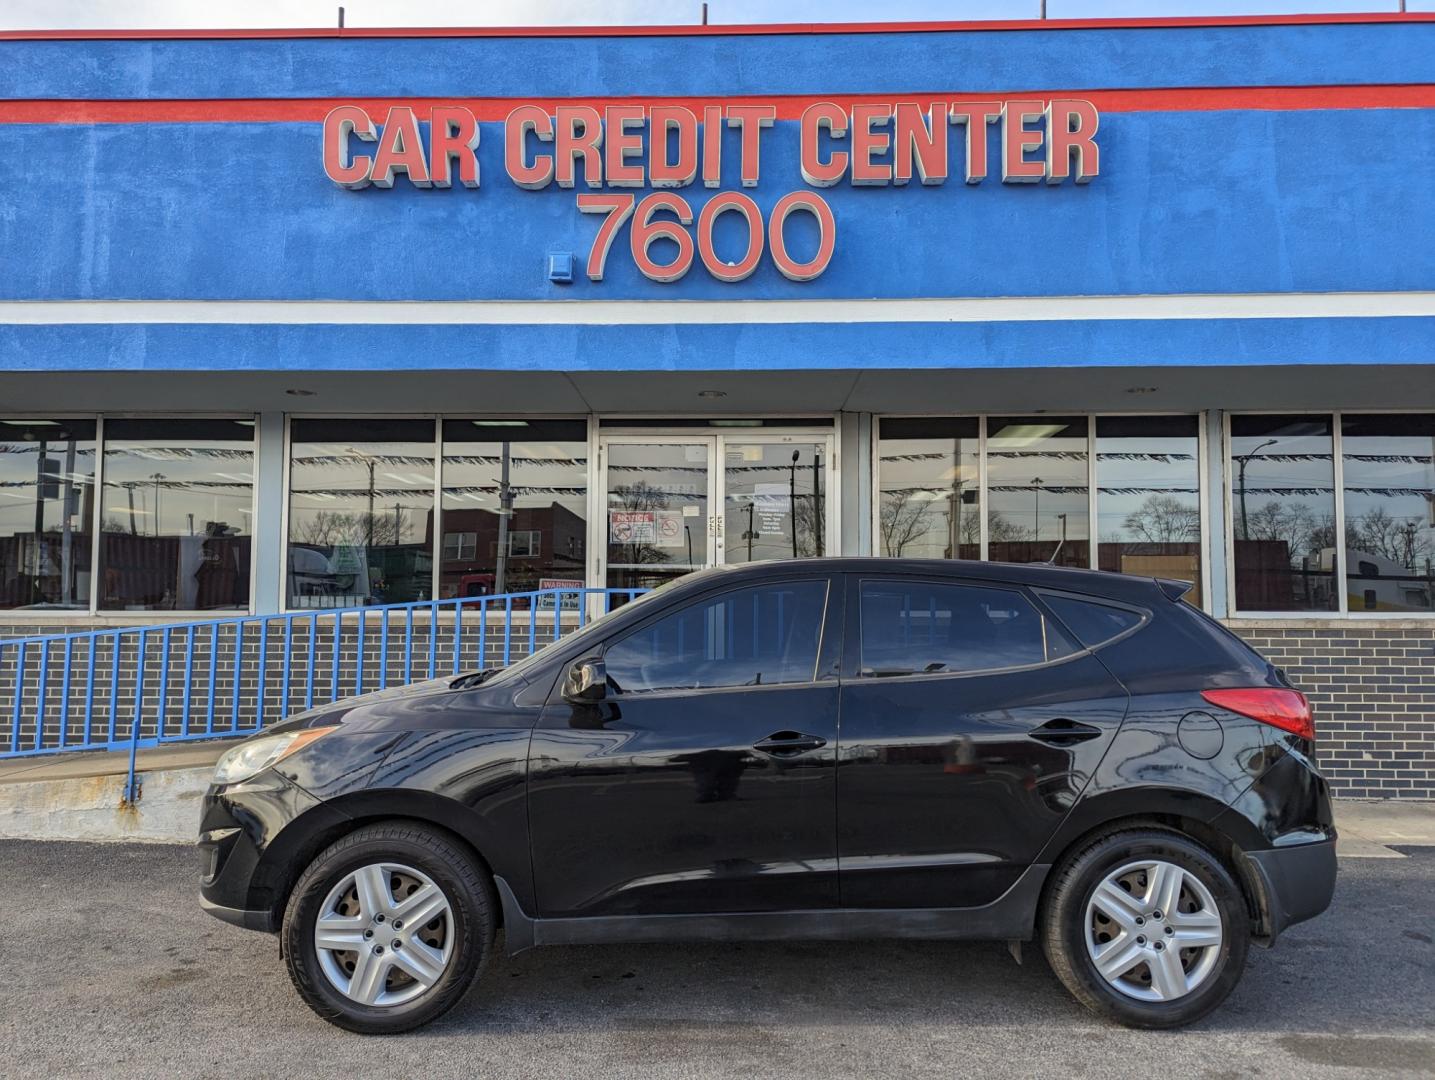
113, 971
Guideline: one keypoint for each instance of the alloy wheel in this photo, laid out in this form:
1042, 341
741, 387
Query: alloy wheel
384, 934
1153, 930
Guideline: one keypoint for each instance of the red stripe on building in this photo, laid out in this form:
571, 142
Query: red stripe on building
277, 110
745, 29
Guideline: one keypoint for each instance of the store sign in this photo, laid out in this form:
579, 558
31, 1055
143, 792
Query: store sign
871, 144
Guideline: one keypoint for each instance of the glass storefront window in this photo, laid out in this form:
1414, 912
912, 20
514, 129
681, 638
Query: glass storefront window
515, 497
1037, 490
1282, 488
175, 519
928, 494
361, 512
47, 509
1148, 500
1389, 479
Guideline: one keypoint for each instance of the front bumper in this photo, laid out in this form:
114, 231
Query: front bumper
1297, 882
243, 858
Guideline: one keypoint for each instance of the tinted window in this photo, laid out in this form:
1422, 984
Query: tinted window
763, 636
175, 515
47, 470
1091, 622
922, 627
514, 510
361, 500
1282, 499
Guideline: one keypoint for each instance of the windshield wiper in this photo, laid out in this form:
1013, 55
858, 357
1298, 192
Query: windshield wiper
473, 678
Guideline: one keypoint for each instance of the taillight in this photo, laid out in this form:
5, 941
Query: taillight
1285, 709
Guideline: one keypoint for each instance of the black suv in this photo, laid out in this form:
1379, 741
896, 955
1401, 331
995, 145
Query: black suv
827, 749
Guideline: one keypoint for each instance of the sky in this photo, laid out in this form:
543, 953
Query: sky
155, 14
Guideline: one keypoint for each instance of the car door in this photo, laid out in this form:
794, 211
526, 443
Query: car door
704, 780
970, 724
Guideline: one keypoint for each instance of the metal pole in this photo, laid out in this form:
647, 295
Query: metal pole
792, 498
157, 477
369, 532
817, 500
67, 545
505, 510
39, 514
1243, 459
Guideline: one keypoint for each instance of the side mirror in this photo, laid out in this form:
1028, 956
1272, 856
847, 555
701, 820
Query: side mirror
586, 681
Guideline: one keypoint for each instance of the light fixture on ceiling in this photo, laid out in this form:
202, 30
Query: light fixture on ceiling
499, 423
712, 393
300, 393
1141, 389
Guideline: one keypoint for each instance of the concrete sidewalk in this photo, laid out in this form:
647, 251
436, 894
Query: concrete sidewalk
79, 797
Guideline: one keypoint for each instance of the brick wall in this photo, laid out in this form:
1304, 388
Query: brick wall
1372, 683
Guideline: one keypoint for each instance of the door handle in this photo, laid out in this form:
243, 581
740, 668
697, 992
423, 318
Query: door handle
1064, 732
789, 743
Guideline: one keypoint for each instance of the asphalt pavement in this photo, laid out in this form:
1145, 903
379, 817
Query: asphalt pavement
111, 970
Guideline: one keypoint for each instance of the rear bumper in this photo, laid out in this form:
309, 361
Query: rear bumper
1297, 882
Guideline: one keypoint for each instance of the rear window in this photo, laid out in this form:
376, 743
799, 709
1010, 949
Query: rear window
1093, 622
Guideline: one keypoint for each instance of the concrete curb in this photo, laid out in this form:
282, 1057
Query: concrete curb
90, 808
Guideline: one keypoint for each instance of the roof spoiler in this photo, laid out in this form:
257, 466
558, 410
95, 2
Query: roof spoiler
1173, 589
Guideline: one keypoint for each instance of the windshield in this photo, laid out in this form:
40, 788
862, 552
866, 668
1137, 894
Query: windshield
520, 668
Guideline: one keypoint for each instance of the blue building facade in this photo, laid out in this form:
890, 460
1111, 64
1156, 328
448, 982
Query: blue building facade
337, 318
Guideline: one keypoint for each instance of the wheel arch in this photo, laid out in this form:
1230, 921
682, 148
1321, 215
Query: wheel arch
301, 841
1199, 817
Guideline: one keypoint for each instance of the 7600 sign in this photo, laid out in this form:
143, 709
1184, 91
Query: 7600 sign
647, 228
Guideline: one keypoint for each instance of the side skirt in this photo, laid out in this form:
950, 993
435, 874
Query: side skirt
1010, 917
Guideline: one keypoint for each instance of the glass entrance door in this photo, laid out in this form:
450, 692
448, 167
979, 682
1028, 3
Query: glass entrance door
658, 522
774, 498
679, 503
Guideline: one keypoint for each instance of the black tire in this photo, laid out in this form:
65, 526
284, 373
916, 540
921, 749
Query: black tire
1063, 926
465, 885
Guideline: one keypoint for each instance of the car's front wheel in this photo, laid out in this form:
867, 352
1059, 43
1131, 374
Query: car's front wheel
388, 927
1146, 927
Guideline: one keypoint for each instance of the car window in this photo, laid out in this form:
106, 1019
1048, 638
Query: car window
922, 627
762, 636
1093, 622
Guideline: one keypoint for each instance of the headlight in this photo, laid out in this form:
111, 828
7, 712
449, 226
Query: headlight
256, 755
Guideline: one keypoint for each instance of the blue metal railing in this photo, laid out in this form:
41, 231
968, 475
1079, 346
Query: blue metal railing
145, 685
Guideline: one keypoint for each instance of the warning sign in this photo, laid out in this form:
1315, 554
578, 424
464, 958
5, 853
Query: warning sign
632, 526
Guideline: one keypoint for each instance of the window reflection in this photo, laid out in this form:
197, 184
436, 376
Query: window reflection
1389, 479
361, 496
1148, 506
1283, 513
175, 517
775, 504
47, 503
1037, 490
657, 512
514, 506
928, 505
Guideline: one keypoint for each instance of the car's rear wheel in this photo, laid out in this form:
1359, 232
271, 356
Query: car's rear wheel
1146, 927
388, 927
